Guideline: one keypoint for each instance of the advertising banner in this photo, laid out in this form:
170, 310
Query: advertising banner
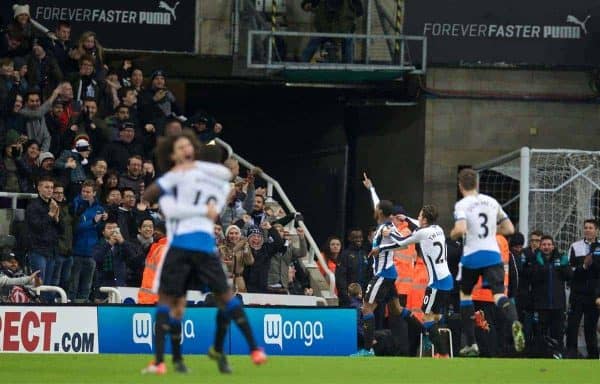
307, 331
141, 25
48, 329
511, 32
131, 329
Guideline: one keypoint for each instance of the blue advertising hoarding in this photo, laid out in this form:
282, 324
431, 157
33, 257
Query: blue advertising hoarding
281, 331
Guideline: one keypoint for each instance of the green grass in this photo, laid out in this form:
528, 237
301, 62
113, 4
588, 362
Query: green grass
50, 369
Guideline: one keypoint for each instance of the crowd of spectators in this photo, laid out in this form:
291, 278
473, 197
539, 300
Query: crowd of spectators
80, 134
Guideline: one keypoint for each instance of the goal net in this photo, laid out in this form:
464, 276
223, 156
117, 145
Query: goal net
551, 190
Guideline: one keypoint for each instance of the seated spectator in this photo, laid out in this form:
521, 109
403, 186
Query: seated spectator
88, 215
33, 113
60, 46
147, 294
44, 225
112, 253
219, 236
236, 255
74, 164
89, 46
281, 261
9, 171
119, 151
256, 275
64, 259
84, 82
27, 166
43, 70
142, 243
548, 275
356, 301
89, 124
331, 253
299, 282
15, 285
133, 179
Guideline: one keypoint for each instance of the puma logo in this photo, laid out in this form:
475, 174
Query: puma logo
166, 7
573, 20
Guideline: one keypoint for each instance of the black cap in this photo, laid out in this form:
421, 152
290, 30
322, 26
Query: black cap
7, 255
398, 210
126, 125
158, 72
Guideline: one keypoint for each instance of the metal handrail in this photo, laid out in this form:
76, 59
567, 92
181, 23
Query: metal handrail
52, 288
354, 36
15, 196
114, 296
288, 204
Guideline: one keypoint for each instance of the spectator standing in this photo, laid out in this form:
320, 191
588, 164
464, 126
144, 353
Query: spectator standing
278, 280
142, 243
34, 112
88, 215
89, 124
549, 273
584, 286
519, 284
236, 255
331, 253
64, 258
9, 174
11, 117
158, 102
43, 70
89, 46
112, 253
74, 164
353, 266
146, 294
263, 246
83, 82
119, 151
60, 46
27, 166
44, 225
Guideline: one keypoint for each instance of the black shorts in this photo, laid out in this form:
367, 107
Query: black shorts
185, 270
493, 277
381, 290
435, 301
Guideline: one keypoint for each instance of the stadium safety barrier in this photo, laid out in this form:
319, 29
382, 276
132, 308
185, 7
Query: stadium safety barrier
272, 183
114, 296
52, 288
92, 330
128, 295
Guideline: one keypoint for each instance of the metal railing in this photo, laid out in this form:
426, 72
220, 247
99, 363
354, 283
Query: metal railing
402, 64
16, 196
114, 296
51, 288
274, 184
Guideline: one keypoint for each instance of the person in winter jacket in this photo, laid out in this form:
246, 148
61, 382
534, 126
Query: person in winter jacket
264, 243
236, 255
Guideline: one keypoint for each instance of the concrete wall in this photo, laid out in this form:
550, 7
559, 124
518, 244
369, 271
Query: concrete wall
463, 132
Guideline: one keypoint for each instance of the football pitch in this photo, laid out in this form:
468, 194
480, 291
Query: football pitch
50, 369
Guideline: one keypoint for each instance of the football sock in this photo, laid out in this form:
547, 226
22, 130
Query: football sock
235, 311
162, 328
176, 339
467, 311
369, 329
508, 308
222, 327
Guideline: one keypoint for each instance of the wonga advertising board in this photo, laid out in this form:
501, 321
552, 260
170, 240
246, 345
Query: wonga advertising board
48, 329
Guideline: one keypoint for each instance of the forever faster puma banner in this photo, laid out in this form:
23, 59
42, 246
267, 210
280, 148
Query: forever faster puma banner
549, 33
143, 25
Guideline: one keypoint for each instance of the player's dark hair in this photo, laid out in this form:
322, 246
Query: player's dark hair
212, 154
165, 146
467, 178
386, 207
430, 213
591, 221
547, 237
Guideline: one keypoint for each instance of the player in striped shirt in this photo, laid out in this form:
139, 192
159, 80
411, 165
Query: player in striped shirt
477, 218
431, 246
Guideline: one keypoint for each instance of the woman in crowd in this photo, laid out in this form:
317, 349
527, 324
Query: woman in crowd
236, 255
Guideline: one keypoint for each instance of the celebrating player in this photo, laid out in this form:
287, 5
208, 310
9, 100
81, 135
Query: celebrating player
191, 195
431, 246
477, 218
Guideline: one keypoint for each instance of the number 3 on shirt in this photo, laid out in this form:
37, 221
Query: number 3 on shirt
484, 221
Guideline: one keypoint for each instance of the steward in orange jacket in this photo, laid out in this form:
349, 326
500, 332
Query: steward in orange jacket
157, 251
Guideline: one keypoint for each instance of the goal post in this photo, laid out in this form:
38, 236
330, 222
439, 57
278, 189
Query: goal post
551, 190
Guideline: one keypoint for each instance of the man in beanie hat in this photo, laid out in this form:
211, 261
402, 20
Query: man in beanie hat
519, 287
264, 243
119, 151
158, 102
43, 70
